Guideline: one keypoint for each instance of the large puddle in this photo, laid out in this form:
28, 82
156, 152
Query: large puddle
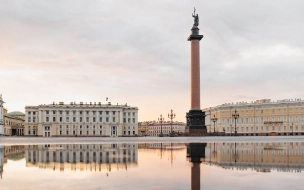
212, 165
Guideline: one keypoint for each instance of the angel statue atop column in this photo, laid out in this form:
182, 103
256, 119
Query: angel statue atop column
196, 20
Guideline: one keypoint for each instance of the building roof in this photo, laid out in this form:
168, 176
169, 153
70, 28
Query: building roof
166, 123
83, 105
16, 113
259, 103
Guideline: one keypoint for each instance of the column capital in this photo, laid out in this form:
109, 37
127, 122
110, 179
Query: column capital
195, 34
195, 37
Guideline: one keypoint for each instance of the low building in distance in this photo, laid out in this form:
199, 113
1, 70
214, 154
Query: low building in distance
1, 116
155, 128
13, 123
143, 129
259, 118
10, 123
83, 119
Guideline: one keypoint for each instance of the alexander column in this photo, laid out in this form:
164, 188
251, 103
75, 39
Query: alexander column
195, 116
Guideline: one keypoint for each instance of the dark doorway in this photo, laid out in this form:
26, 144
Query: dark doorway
14, 132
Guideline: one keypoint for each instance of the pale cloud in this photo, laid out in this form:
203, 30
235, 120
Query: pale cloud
137, 51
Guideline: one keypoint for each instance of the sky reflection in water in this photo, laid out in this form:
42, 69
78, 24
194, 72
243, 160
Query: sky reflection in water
240, 165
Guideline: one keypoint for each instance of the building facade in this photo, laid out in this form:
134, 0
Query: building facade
155, 128
1, 116
83, 119
259, 118
143, 129
13, 123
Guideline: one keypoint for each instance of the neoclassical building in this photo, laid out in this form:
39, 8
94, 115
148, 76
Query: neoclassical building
13, 123
83, 119
261, 117
143, 129
1, 116
155, 128
10, 123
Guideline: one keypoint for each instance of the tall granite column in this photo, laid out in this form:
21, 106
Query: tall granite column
195, 116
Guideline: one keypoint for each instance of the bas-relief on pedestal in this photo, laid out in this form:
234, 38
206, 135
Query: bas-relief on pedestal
195, 116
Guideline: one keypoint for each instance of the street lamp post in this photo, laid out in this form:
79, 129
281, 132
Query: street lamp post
214, 119
171, 116
161, 119
235, 115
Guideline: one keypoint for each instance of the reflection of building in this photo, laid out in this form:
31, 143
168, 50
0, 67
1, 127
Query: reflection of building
93, 119
175, 146
262, 117
1, 160
13, 123
1, 116
155, 128
106, 157
196, 155
164, 149
260, 157
10, 153
15, 152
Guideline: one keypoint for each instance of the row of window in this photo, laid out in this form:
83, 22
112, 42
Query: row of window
267, 111
153, 128
87, 127
261, 119
81, 132
80, 112
47, 128
74, 119
278, 152
11, 123
267, 128
95, 132
158, 132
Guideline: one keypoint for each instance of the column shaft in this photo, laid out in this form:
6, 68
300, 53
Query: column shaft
195, 75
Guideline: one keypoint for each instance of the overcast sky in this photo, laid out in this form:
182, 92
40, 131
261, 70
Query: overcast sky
137, 52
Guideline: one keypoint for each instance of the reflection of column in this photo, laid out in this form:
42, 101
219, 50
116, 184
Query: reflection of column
195, 176
195, 154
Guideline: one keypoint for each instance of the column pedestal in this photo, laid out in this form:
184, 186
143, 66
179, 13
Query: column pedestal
195, 123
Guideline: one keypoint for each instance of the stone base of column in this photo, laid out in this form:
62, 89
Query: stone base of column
195, 123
